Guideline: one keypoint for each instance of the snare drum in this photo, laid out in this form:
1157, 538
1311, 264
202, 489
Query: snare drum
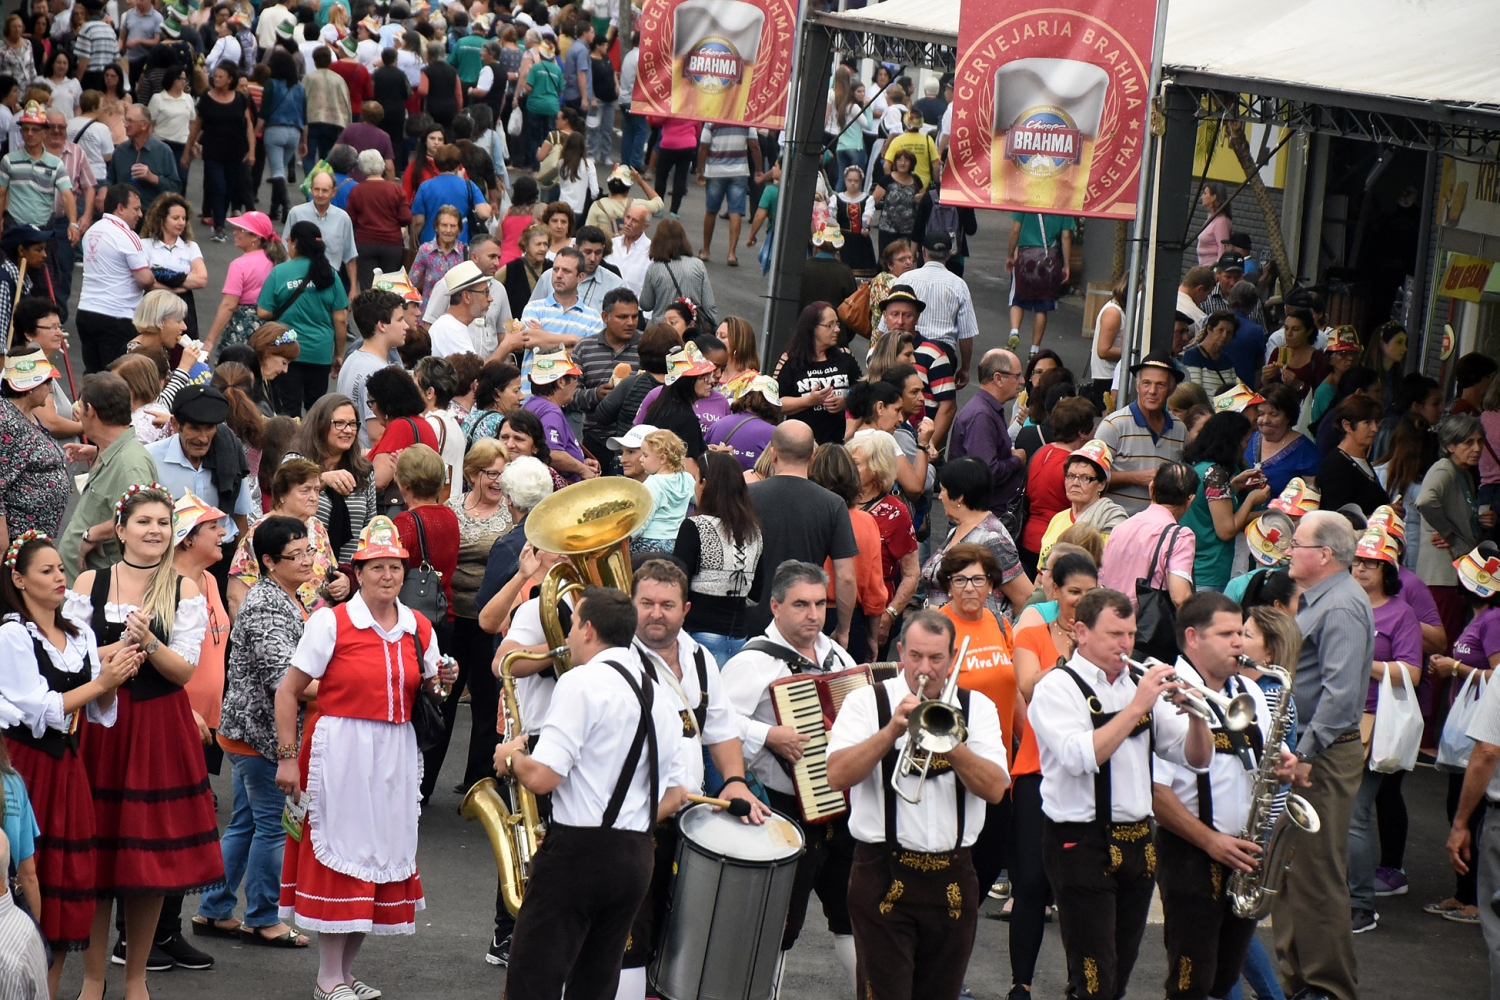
728, 907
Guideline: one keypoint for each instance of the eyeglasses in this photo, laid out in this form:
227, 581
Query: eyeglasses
49, 328
832, 322
297, 555
492, 475
969, 582
1074, 478
1298, 545
57, 128
1007, 374
344, 425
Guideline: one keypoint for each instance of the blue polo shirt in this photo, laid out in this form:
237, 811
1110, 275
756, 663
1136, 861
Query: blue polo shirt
176, 473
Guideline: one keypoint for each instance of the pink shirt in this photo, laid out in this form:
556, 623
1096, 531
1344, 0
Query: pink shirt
1489, 469
246, 274
1211, 241
679, 133
1127, 554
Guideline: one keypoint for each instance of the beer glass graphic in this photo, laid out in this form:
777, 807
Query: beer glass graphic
714, 46
1047, 114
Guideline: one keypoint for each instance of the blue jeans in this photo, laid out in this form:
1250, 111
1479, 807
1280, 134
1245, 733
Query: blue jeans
721, 646
281, 148
849, 158
1260, 972
252, 845
633, 135
321, 137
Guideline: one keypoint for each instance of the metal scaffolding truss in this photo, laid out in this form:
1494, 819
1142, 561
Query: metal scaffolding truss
1466, 133
925, 53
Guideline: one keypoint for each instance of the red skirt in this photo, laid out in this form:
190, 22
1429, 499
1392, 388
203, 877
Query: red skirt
65, 863
153, 811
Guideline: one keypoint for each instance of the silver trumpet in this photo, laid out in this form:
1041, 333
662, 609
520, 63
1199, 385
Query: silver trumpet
1239, 711
935, 726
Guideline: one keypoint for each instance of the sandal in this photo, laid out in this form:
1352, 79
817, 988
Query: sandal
733, 262
703, 255
291, 939
1463, 915
203, 927
1443, 907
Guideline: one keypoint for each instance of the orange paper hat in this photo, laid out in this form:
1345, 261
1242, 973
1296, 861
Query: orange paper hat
1297, 499
379, 540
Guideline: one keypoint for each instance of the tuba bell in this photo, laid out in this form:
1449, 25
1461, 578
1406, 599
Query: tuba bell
589, 524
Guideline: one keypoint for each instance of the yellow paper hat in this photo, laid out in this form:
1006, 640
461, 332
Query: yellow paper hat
379, 540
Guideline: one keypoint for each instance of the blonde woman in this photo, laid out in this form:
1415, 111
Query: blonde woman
744, 357
161, 319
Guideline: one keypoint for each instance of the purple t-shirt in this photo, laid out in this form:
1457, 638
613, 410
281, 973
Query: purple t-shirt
1480, 640
710, 409
555, 424
746, 434
1398, 636
1415, 595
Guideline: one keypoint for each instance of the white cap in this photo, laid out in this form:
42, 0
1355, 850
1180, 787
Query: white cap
633, 438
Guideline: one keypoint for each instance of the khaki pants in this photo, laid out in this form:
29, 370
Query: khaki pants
1311, 920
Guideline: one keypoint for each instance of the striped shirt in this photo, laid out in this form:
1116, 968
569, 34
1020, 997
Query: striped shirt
23, 961
949, 316
1136, 448
576, 319
96, 42
32, 186
76, 164
935, 365
728, 156
598, 359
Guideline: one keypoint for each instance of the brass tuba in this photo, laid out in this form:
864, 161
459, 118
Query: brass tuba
590, 525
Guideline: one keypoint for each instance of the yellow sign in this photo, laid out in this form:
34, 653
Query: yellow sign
1215, 160
1465, 278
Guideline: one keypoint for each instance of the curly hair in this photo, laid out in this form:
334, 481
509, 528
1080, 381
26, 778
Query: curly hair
156, 217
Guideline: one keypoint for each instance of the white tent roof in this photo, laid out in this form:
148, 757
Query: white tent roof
1411, 50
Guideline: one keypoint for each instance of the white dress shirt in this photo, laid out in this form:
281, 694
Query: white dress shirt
930, 826
632, 260
534, 692
22, 684
587, 736
720, 724
747, 681
1229, 783
1065, 741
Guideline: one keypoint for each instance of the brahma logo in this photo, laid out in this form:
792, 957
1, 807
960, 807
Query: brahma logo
1044, 142
713, 65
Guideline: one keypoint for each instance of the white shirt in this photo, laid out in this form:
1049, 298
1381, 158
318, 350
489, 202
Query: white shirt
575, 191
632, 260
719, 725
483, 331
534, 692
173, 115
1485, 727
747, 680
22, 684
1065, 742
368, 54
1229, 783
65, 96
1189, 308
628, 68
225, 50
587, 738
930, 826
451, 441
320, 635
111, 252
450, 336
271, 17
1277, 341
92, 136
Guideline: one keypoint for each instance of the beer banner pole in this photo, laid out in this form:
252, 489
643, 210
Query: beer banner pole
1147, 195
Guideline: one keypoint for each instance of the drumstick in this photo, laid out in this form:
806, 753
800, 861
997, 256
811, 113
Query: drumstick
736, 807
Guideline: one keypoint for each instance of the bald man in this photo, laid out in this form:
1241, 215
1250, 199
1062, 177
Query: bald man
980, 431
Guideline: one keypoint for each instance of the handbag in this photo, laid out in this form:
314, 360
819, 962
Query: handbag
1155, 614
422, 589
854, 312
546, 171
426, 712
1455, 746
1038, 273
389, 500
1398, 727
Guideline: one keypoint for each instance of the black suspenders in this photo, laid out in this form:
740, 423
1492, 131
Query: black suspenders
1103, 797
1246, 744
645, 734
888, 771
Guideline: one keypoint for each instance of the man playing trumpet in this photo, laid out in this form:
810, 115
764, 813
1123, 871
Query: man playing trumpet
913, 895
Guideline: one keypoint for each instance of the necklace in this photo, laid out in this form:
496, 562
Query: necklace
132, 565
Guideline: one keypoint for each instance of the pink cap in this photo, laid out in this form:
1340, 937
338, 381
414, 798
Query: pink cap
258, 223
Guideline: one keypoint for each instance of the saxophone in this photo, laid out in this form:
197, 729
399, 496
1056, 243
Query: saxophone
1250, 893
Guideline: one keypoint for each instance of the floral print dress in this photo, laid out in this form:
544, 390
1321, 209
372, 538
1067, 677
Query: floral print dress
34, 482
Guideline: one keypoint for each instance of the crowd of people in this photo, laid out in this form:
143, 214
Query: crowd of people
290, 533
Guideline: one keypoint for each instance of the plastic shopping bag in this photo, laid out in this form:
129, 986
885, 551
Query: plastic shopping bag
1398, 726
1455, 746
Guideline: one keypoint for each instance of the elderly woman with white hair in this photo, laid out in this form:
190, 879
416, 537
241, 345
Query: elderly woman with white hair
380, 212
525, 482
161, 319
875, 454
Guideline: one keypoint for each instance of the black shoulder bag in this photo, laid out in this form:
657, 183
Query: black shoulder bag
426, 713
389, 501
1155, 614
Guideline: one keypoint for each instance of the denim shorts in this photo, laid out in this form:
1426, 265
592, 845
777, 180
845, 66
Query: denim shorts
735, 187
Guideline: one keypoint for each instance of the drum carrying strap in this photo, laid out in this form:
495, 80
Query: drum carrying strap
888, 771
645, 734
693, 718
1103, 797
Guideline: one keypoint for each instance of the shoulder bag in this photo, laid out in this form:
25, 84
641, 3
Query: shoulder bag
703, 319
422, 590
854, 312
389, 500
1155, 614
426, 712
1039, 269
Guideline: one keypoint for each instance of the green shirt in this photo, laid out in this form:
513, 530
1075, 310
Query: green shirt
1213, 557
546, 82
465, 58
123, 464
311, 315
1031, 228
33, 186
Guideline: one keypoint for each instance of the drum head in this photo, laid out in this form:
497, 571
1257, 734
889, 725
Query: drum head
721, 834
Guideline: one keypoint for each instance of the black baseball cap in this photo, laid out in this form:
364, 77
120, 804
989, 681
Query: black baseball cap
1230, 262
938, 243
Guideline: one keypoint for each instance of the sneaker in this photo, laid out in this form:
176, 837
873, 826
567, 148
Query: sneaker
1018, 992
499, 953
1364, 920
1001, 888
183, 954
1390, 882
1014, 341
964, 993
219, 237
157, 961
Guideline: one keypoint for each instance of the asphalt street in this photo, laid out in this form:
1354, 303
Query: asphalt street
1411, 954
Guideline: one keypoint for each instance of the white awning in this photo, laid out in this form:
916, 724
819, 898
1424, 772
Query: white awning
1440, 51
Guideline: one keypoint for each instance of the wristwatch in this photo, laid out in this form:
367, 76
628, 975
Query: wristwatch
152, 646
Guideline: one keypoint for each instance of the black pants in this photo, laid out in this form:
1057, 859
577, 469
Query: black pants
61, 254
102, 339
226, 183
913, 923
651, 919
1466, 887
824, 869
385, 257
1103, 883
586, 887
992, 850
1391, 821
1206, 943
1029, 889
471, 646
299, 387
677, 163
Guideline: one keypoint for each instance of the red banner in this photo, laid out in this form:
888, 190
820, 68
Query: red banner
1050, 106
726, 61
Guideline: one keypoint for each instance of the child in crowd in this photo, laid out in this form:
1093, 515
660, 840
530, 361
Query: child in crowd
671, 487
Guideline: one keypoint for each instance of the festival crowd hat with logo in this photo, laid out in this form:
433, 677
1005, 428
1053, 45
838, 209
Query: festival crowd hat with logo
1297, 499
1096, 453
829, 234
1478, 569
1236, 399
558, 364
1270, 538
1385, 517
379, 540
686, 361
188, 513
26, 370
1345, 338
1376, 543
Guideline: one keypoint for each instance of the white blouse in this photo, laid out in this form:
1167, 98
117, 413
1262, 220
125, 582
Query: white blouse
188, 628
21, 680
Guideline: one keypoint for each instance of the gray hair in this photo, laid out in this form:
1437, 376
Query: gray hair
931, 622
371, 163
1332, 529
1456, 428
791, 573
1243, 296
526, 482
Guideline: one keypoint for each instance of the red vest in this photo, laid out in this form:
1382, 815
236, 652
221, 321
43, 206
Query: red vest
369, 678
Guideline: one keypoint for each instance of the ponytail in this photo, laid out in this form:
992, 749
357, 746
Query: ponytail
307, 240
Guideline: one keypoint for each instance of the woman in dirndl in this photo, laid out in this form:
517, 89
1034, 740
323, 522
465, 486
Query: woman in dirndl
50, 669
354, 870
156, 830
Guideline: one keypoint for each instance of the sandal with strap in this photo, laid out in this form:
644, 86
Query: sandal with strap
291, 939
1443, 907
203, 927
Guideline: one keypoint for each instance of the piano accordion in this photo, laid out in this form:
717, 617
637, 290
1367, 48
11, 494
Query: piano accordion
809, 703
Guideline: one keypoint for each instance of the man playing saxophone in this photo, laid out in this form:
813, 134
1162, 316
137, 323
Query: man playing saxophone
1200, 836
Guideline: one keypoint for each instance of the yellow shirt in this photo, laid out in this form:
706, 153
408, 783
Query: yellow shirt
921, 146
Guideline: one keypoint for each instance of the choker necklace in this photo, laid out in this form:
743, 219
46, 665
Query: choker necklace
132, 565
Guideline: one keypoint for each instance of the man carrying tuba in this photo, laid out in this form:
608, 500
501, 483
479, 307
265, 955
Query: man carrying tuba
913, 895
